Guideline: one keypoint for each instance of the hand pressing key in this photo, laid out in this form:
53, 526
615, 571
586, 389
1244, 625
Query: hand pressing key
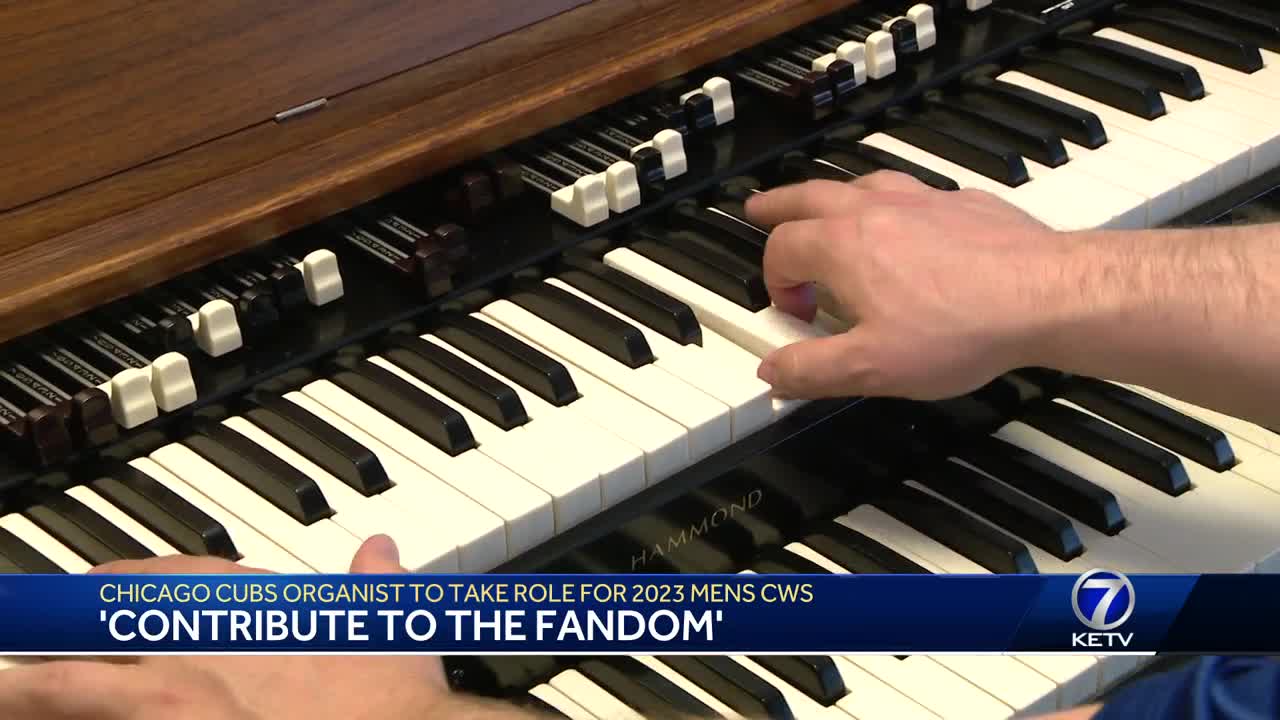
942, 287
947, 290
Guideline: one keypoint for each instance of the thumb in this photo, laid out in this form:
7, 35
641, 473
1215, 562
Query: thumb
377, 556
836, 366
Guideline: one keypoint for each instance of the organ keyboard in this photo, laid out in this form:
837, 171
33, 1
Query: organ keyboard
544, 359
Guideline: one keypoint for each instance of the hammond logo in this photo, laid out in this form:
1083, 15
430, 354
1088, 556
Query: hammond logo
1103, 601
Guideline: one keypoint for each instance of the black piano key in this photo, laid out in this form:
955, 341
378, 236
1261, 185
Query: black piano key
499, 675
732, 684
397, 398
1105, 85
322, 444
538, 706
8, 568
631, 693
482, 393
167, 514
946, 140
664, 314
797, 167
660, 693
1176, 78
1256, 25
1034, 142
1158, 423
1004, 507
1070, 122
594, 326
776, 561
258, 469
814, 675
1127, 453
1056, 487
105, 532
690, 215
858, 553
1191, 37
861, 159
540, 374
993, 549
76, 538
24, 557
687, 254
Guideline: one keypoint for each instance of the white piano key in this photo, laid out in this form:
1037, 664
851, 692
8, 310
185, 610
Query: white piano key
802, 706
721, 375
256, 549
963, 176
1265, 82
1199, 531
560, 702
44, 543
1094, 202
591, 697
322, 544
573, 484
491, 512
1255, 434
931, 685
422, 547
705, 419
1202, 177
607, 421
1013, 681
1262, 137
870, 698
760, 333
95, 502
688, 686
1163, 192
1231, 488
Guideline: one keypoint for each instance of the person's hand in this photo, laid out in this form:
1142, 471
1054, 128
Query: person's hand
231, 687
944, 289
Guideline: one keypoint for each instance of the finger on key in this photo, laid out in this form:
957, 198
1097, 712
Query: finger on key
797, 255
812, 199
890, 181
836, 366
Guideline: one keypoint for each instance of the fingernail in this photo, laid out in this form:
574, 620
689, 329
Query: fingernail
385, 548
768, 371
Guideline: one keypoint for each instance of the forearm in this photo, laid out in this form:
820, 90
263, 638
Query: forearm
1192, 313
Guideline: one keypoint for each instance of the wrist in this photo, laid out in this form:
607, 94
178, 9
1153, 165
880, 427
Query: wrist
1096, 288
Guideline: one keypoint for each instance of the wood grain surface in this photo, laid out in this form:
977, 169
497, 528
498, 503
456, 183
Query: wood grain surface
88, 89
91, 244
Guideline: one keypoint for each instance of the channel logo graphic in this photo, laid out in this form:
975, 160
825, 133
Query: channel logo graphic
1103, 600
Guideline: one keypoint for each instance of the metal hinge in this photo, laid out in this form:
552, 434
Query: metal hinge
306, 107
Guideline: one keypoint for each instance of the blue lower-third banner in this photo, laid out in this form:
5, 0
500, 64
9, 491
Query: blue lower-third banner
1100, 612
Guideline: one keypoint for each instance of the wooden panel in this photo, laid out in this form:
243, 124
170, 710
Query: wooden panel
475, 101
92, 88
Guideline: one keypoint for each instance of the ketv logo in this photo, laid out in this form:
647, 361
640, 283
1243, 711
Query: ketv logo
1103, 601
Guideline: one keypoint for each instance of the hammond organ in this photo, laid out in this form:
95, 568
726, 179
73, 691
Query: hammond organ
478, 275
